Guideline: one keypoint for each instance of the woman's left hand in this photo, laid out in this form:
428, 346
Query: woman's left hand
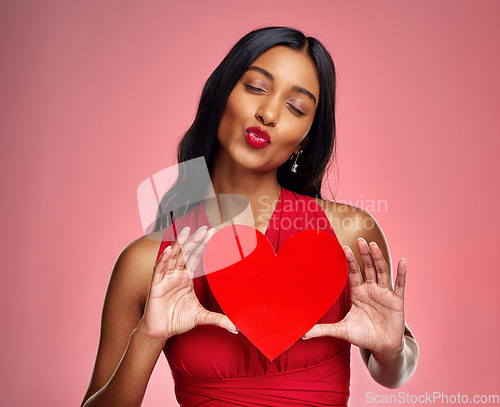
376, 319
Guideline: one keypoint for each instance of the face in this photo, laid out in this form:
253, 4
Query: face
278, 94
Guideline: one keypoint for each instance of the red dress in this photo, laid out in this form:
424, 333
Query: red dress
213, 367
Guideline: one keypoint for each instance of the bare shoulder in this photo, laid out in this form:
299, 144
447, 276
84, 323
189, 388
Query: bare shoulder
350, 223
135, 263
347, 221
142, 252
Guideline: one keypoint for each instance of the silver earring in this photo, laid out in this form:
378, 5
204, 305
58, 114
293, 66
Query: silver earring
295, 165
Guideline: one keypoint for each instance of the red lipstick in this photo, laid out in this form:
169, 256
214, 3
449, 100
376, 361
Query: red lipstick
257, 137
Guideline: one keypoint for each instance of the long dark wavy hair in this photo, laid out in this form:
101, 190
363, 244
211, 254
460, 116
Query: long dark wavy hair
201, 140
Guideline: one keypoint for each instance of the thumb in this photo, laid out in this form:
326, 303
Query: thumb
336, 330
218, 319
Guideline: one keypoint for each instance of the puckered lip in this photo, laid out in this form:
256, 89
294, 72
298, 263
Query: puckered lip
257, 131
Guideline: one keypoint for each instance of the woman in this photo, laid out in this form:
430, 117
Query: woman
270, 99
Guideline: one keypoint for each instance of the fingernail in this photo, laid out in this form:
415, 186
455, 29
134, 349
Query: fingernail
186, 229
166, 248
200, 229
404, 260
374, 243
360, 238
234, 332
306, 338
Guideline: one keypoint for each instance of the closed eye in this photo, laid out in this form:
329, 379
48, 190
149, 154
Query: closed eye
253, 88
294, 109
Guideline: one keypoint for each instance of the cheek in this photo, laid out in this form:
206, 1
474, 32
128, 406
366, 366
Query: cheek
297, 132
304, 130
225, 123
234, 116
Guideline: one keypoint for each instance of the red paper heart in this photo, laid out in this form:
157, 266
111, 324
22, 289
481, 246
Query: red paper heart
274, 299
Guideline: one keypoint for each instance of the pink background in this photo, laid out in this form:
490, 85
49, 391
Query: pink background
94, 97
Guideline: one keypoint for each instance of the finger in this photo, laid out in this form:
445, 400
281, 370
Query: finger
399, 285
160, 266
188, 246
197, 254
355, 277
366, 257
336, 330
162, 260
215, 318
380, 265
176, 248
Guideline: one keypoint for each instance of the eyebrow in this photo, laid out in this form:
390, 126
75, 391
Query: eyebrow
270, 76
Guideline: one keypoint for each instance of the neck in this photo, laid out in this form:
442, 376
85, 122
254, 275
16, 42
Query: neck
261, 188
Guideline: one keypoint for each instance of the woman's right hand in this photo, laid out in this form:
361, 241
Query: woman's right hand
172, 307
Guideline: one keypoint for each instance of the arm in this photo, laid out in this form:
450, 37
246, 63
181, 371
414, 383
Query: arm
376, 322
126, 356
393, 370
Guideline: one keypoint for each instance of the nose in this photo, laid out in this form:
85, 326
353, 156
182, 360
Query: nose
268, 112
